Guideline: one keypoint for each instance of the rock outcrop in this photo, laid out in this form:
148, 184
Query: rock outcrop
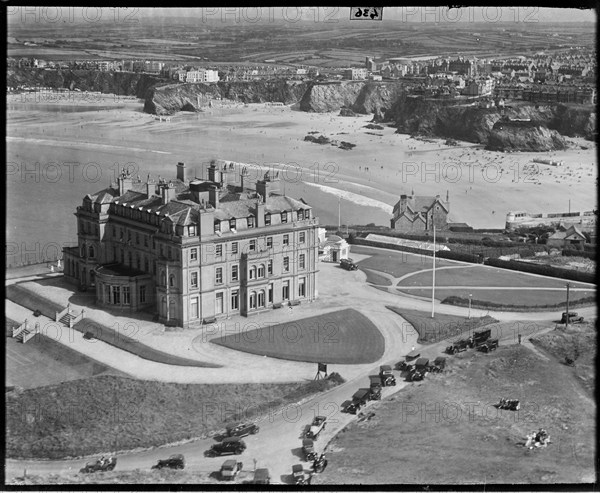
524, 136
168, 99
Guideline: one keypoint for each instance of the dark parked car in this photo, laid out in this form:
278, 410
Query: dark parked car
308, 448
176, 461
458, 346
387, 377
439, 364
573, 318
230, 445
489, 345
348, 264
480, 336
375, 388
262, 476
242, 430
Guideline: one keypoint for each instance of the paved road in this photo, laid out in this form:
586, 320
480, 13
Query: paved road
277, 446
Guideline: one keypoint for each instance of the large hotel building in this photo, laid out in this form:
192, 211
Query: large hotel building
192, 251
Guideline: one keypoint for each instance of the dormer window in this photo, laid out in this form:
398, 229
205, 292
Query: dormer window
284, 217
250, 221
217, 226
192, 231
232, 224
267, 219
300, 215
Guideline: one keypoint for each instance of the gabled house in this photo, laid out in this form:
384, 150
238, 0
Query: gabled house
571, 238
420, 213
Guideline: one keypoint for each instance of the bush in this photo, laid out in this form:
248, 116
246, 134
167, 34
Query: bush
578, 253
458, 301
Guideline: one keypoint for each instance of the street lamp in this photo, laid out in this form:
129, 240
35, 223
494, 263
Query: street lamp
470, 298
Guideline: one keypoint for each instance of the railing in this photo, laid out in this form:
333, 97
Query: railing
31, 335
16, 331
74, 320
60, 315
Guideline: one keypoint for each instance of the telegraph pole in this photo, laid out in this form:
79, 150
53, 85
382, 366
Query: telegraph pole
567, 317
433, 283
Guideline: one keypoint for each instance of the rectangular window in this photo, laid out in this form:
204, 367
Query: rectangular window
270, 267
217, 226
194, 254
285, 292
128, 235
234, 272
142, 294
219, 303
145, 241
169, 253
120, 233
192, 230
286, 240
302, 287
302, 261
137, 238
235, 300
126, 296
302, 237
284, 217
194, 313
286, 264
270, 293
219, 275
146, 265
269, 242
116, 291
219, 250
267, 219
194, 280
232, 224
252, 246
234, 247
252, 272
250, 221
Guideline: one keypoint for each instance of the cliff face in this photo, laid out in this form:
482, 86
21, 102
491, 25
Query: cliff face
444, 118
360, 97
168, 99
524, 136
120, 83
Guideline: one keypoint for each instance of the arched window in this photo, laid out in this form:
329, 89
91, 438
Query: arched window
171, 280
252, 300
261, 298
163, 278
261, 271
253, 272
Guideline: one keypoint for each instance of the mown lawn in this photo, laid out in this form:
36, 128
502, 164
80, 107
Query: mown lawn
396, 263
131, 345
26, 298
446, 430
109, 413
441, 326
343, 337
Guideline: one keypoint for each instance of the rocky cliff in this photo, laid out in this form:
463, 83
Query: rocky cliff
121, 83
358, 96
168, 99
445, 118
524, 136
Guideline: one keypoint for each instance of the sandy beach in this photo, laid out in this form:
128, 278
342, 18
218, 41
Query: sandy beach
70, 148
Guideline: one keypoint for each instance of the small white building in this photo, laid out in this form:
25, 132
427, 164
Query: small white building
202, 75
333, 249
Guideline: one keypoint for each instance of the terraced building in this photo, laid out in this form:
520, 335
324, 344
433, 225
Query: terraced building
192, 251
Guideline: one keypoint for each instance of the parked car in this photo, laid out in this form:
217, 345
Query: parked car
360, 399
349, 407
230, 469
387, 376
298, 474
422, 364
458, 346
262, 476
242, 430
439, 364
308, 448
480, 336
102, 464
230, 445
317, 426
176, 461
573, 318
375, 388
489, 345
348, 264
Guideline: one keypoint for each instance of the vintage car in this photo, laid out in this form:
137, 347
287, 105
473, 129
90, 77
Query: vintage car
458, 346
242, 429
573, 318
348, 264
387, 376
489, 345
298, 474
316, 427
262, 476
375, 388
102, 464
230, 469
308, 448
230, 445
176, 461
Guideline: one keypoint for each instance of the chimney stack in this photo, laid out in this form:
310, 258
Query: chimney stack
167, 193
125, 181
181, 171
213, 196
214, 174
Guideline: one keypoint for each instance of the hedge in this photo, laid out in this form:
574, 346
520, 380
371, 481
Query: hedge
578, 253
465, 257
490, 305
543, 269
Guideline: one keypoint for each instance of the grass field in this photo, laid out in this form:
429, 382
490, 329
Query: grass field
342, 337
131, 345
43, 361
376, 278
396, 263
26, 298
442, 326
110, 413
447, 431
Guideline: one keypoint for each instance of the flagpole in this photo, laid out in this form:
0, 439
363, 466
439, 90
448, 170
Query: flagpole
339, 213
433, 283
